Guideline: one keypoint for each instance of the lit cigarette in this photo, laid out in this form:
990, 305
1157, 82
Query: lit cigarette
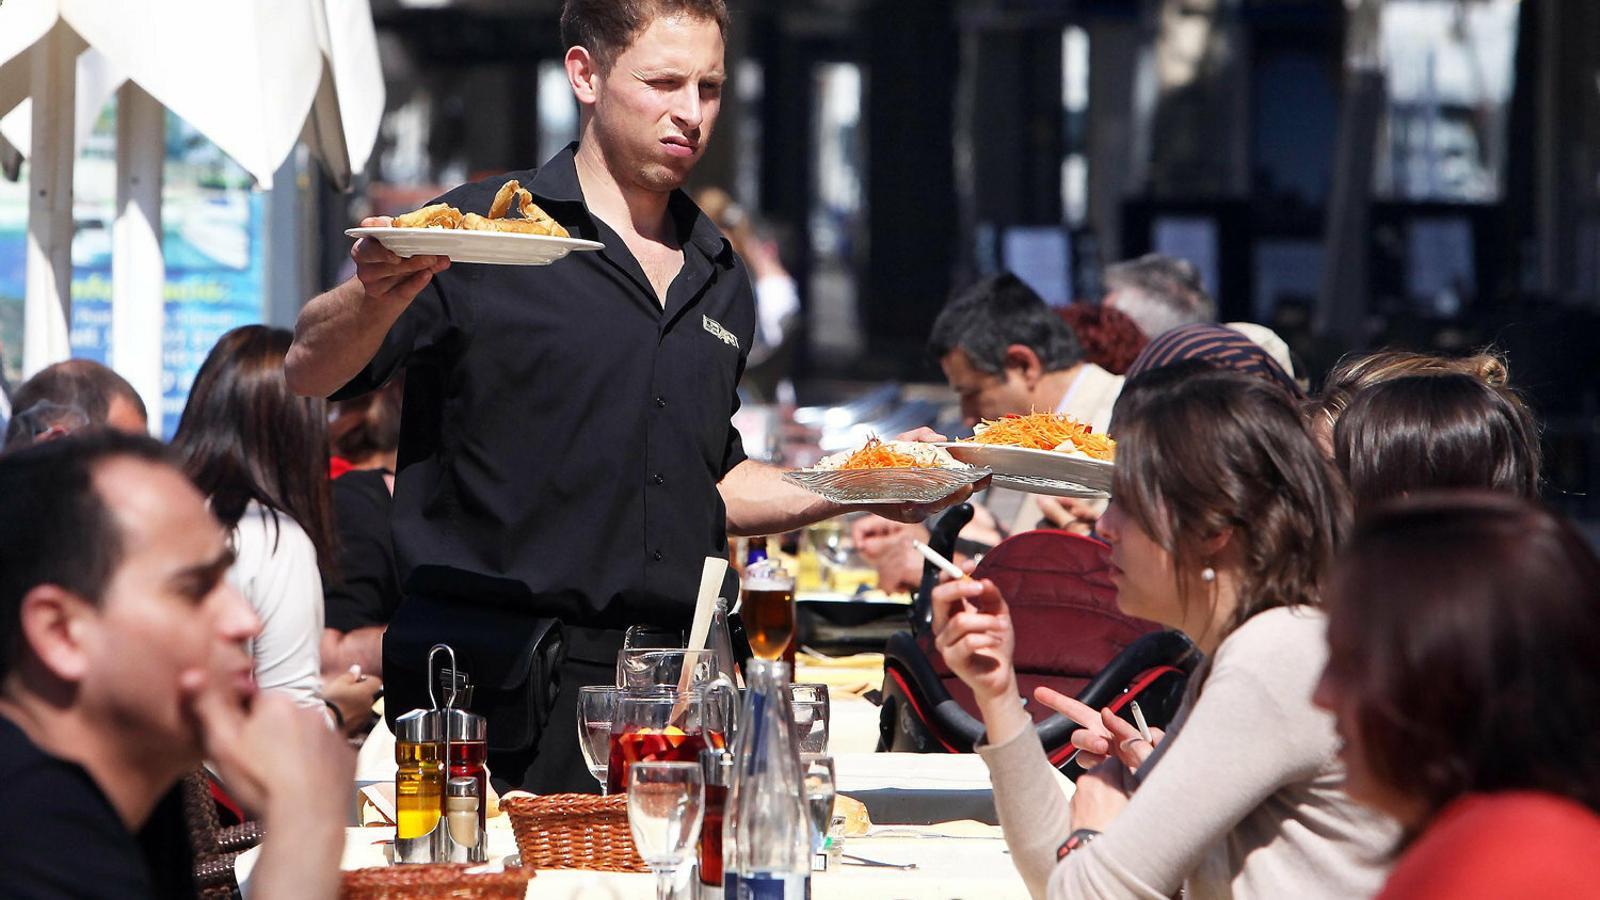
933, 556
1138, 719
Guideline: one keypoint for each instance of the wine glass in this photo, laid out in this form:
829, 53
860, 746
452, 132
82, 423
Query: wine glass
816, 772
809, 704
597, 706
666, 802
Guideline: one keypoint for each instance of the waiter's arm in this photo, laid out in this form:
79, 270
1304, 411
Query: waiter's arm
340, 330
760, 501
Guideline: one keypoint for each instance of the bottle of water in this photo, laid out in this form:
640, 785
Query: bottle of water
770, 852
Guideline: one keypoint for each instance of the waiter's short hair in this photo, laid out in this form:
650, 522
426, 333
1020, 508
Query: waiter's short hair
55, 528
986, 318
606, 27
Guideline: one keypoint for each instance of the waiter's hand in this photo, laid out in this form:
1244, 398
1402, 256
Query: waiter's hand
388, 278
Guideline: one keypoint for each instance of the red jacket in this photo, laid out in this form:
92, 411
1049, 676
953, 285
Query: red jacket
1516, 844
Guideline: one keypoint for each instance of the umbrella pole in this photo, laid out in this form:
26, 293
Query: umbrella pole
138, 274
48, 303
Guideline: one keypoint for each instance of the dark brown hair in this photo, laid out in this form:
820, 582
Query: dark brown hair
55, 527
80, 384
368, 425
607, 27
1435, 431
1200, 450
1462, 631
1354, 374
245, 436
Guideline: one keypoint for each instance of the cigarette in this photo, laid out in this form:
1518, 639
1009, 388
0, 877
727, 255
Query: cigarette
1138, 719
355, 672
933, 556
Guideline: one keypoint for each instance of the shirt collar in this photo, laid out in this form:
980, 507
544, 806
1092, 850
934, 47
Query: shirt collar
557, 181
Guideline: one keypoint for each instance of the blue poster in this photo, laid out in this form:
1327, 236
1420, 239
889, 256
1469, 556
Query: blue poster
212, 241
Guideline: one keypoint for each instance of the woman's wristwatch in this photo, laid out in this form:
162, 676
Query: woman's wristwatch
1075, 840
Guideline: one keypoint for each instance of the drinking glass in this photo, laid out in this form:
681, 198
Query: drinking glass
666, 802
597, 706
716, 767
661, 723
817, 774
809, 703
767, 608
665, 666
651, 636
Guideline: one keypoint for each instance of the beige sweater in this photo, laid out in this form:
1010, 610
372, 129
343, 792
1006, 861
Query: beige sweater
1242, 799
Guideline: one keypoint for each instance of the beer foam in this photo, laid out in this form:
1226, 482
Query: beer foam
764, 582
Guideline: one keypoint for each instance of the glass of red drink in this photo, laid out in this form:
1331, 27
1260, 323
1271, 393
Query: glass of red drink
661, 723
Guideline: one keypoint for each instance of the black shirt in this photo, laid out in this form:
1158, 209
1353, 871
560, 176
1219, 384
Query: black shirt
563, 433
60, 836
368, 588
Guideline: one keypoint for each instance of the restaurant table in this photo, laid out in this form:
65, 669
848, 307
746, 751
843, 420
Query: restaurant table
954, 860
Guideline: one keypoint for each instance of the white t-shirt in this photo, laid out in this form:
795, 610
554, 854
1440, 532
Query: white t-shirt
276, 570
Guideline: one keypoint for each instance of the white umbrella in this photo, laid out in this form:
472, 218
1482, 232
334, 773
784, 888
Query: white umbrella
253, 76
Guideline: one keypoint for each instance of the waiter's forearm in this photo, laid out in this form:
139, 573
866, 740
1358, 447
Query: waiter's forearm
337, 334
759, 501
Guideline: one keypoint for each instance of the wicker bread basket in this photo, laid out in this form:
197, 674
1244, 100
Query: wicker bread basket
426, 882
574, 831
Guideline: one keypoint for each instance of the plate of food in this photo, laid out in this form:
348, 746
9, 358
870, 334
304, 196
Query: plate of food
533, 239
1041, 453
888, 472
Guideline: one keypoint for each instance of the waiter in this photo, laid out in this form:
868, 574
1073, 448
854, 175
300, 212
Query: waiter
566, 448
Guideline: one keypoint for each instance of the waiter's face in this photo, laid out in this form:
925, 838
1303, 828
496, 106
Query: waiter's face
654, 108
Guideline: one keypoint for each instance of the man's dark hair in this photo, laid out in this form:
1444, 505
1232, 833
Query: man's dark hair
81, 384
986, 318
54, 526
1159, 292
606, 27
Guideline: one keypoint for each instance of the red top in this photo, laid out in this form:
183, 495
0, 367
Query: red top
337, 465
1514, 844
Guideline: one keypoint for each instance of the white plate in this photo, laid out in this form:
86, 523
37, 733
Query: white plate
502, 248
909, 485
1051, 486
1091, 475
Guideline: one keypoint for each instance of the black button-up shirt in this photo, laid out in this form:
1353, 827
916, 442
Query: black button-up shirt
563, 430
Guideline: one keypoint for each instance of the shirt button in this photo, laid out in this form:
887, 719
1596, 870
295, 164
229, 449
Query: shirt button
656, 556
661, 402
658, 478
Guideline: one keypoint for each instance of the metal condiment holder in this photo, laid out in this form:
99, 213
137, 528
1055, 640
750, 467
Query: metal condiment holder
455, 724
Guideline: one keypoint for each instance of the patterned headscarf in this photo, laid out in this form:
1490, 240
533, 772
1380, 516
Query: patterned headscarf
1218, 345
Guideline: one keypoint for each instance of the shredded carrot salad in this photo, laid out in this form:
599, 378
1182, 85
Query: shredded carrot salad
877, 455
1046, 431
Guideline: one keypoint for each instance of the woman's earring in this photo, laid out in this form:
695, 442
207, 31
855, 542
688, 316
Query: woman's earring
1208, 574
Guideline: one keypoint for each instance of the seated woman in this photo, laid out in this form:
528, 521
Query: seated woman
1462, 670
1224, 521
260, 455
1435, 431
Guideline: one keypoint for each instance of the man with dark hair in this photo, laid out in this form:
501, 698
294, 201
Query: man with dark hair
123, 663
1005, 352
1159, 293
43, 407
566, 449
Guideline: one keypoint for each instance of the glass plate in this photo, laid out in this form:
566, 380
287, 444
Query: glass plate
1022, 462
1053, 487
925, 485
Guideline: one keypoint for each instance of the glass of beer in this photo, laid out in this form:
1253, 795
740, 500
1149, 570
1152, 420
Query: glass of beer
767, 608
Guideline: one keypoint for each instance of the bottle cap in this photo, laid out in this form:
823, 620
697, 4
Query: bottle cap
461, 725
462, 786
419, 726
